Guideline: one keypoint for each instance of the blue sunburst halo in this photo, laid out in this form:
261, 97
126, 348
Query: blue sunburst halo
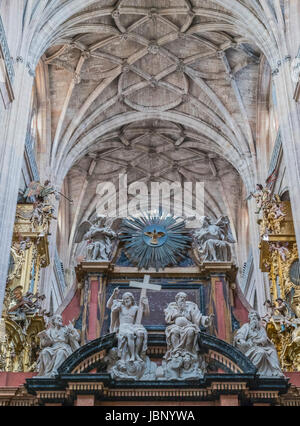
155, 240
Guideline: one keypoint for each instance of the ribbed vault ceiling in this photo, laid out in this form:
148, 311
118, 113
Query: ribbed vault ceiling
161, 90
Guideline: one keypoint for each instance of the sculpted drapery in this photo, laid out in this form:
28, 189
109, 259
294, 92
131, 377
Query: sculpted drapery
184, 319
214, 240
57, 344
132, 337
252, 340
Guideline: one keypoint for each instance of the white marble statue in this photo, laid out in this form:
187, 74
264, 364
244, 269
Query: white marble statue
132, 337
57, 343
98, 237
182, 359
129, 361
214, 240
184, 319
252, 340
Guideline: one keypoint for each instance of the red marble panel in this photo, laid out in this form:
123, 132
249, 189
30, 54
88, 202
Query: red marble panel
294, 378
220, 308
93, 306
73, 309
10, 379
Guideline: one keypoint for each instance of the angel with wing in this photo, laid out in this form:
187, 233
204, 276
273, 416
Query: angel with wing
214, 240
42, 192
99, 236
281, 248
262, 196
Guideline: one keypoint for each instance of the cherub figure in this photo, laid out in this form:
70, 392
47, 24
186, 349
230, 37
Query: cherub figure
262, 196
277, 208
42, 214
270, 307
21, 244
29, 303
281, 308
282, 313
274, 216
37, 215
282, 250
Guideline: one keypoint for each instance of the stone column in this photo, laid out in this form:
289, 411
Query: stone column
254, 238
47, 276
12, 141
289, 121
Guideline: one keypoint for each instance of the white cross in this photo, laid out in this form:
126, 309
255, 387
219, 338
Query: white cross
145, 285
